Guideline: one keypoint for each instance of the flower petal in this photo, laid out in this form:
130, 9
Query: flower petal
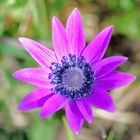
75, 32
96, 49
85, 109
101, 99
39, 52
53, 104
74, 116
107, 65
35, 99
35, 76
115, 80
60, 41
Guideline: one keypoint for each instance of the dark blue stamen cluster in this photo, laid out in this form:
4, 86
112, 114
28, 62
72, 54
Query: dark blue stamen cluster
73, 78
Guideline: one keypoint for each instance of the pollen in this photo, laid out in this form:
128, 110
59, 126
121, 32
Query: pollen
73, 78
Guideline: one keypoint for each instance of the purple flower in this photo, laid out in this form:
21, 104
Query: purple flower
74, 76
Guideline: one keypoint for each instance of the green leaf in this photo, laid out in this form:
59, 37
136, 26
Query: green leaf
43, 129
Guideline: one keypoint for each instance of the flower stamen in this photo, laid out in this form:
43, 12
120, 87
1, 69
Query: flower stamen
73, 78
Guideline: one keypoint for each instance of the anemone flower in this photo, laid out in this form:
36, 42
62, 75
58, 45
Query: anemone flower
73, 76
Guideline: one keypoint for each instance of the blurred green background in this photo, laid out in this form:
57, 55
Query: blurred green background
32, 18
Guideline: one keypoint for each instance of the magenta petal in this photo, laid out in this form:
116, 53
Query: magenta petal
60, 40
107, 65
85, 109
115, 80
39, 52
101, 99
52, 105
75, 32
35, 76
35, 99
96, 49
74, 116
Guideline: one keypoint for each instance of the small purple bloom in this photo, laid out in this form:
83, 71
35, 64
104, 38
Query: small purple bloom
74, 76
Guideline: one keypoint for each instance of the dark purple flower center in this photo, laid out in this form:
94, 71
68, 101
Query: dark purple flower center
73, 78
